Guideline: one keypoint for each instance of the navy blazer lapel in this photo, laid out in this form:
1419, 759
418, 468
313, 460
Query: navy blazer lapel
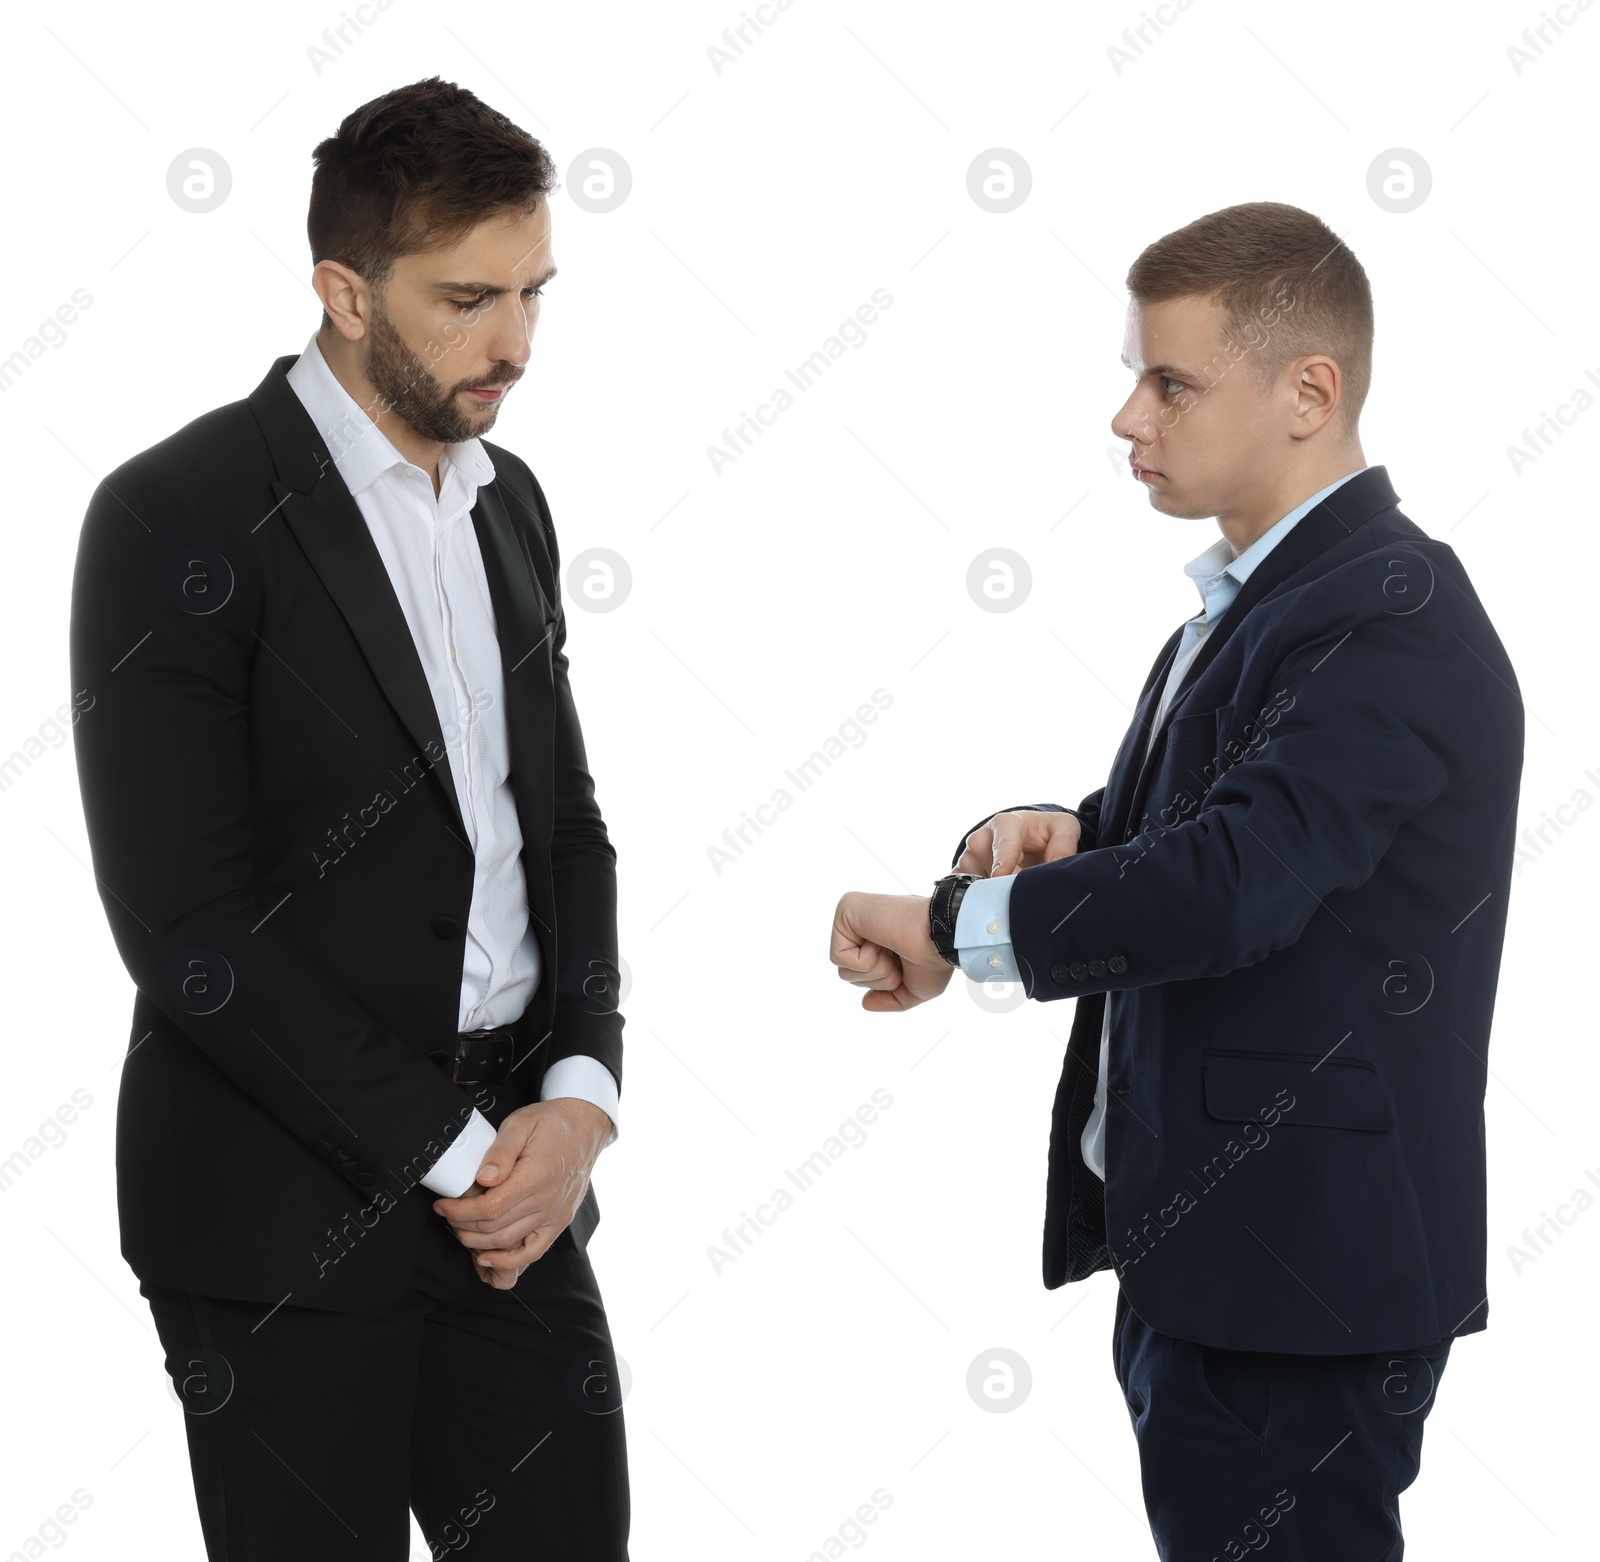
1130, 754
333, 533
1348, 507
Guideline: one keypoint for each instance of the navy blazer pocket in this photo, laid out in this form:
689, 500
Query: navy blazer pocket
1329, 1092
1190, 726
1187, 766
1203, 728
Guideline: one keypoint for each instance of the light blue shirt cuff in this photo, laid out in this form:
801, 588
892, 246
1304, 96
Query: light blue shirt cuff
983, 931
586, 1078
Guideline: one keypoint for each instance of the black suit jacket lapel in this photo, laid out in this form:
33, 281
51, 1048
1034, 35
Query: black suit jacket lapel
1348, 507
327, 523
525, 620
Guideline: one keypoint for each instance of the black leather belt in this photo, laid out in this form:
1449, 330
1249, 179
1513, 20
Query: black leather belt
479, 1057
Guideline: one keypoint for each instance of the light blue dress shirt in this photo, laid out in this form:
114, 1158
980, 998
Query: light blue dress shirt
983, 938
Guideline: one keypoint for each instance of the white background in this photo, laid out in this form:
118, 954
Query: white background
768, 602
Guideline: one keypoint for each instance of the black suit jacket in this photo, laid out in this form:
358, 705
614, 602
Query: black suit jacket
283, 863
1300, 898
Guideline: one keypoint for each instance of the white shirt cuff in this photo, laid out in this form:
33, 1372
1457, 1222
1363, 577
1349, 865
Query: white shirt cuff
586, 1079
457, 1169
983, 931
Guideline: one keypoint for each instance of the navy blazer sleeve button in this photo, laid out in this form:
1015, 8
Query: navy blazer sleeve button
1097, 968
1117, 964
1079, 970
1059, 972
445, 927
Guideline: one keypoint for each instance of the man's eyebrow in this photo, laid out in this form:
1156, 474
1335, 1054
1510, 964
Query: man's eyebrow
1164, 369
488, 289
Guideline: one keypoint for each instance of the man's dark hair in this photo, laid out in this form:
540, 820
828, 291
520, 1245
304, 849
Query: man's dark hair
1265, 261
415, 170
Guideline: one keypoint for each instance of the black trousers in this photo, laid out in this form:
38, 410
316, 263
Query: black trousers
495, 1416
1243, 1451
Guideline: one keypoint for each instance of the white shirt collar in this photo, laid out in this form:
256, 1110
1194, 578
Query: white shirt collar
360, 449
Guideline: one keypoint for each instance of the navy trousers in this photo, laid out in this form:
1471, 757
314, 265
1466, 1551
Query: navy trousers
494, 1416
1301, 1457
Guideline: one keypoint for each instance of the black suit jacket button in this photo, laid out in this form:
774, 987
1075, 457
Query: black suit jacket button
1079, 970
445, 927
1097, 968
363, 1179
1117, 964
1058, 973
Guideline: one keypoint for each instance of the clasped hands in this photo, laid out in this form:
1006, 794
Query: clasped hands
882, 942
530, 1184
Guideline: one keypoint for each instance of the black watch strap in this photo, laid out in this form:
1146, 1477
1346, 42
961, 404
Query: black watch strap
942, 911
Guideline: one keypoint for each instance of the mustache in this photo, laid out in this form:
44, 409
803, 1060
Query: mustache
499, 379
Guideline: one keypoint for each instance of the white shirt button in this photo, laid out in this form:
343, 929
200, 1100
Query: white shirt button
994, 927
995, 961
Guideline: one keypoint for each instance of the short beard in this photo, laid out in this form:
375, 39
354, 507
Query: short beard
406, 386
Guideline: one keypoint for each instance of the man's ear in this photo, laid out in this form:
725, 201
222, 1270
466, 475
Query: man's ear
1319, 383
346, 298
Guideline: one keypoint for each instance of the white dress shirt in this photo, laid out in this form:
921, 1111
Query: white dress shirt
430, 550
982, 940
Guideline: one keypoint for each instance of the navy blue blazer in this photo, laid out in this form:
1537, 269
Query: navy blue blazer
1300, 899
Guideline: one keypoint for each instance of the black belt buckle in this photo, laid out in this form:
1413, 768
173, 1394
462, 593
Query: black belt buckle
482, 1057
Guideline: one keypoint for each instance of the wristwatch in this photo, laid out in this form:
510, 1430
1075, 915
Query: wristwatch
942, 909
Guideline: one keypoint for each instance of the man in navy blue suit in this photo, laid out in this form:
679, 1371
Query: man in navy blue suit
1282, 916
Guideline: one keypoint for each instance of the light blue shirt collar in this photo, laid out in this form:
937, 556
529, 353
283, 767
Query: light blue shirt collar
1218, 575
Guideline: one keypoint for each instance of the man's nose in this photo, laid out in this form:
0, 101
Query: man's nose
1132, 423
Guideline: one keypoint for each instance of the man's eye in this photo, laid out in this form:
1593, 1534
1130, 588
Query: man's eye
1166, 382
463, 305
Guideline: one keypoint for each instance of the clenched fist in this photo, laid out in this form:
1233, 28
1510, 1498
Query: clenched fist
882, 942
